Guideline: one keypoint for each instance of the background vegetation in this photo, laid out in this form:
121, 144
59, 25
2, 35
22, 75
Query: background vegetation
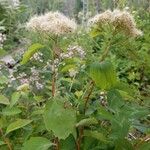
101, 99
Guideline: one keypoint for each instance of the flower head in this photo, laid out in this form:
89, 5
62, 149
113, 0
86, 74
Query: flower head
121, 20
52, 23
102, 18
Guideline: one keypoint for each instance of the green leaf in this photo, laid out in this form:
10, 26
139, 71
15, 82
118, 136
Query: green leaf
37, 143
68, 144
144, 146
2, 52
67, 67
87, 122
14, 98
120, 127
4, 100
17, 125
59, 119
95, 134
114, 99
103, 74
3, 80
123, 144
10, 111
95, 32
104, 114
30, 52
2, 143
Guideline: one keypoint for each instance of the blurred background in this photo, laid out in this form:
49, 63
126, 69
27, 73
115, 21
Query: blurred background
15, 13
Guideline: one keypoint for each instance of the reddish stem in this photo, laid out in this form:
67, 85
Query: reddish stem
6, 140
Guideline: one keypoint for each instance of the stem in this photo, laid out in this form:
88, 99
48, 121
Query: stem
53, 82
79, 140
56, 140
88, 96
6, 140
72, 83
81, 129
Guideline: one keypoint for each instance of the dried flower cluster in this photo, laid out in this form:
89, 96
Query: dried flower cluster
2, 39
52, 23
121, 20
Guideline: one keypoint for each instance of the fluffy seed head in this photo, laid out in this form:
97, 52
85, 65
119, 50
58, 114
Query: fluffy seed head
102, 18
121, 20
52, 23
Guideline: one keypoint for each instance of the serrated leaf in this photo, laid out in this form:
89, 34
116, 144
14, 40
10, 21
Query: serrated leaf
11, 111
14, 98
103, 74
87, 122
4, 100
37, 143
115, 100
17, 125
59, 120
30, 52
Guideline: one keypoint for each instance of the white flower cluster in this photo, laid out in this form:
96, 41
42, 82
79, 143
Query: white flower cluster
53, 23
121, 20
72, 72
30, 79
37, 56
73, 51
2, 39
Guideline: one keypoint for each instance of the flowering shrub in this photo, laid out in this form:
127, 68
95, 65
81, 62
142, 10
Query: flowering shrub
69, 91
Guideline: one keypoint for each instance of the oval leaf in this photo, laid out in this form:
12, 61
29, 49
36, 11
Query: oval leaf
17, 125
30, 52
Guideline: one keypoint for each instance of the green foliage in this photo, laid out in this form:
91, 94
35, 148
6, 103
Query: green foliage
37, 143
55, 114
30, 52
103, 74
49, 100
17, 125
4, 100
